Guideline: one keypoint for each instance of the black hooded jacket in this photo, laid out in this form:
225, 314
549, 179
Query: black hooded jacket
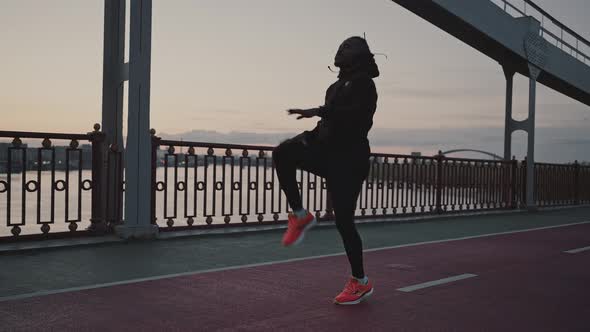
347, 115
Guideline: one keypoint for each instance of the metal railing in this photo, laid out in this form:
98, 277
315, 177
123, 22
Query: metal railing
199, 184
49, 190
551, 29
556, 184
213, 186
583, 185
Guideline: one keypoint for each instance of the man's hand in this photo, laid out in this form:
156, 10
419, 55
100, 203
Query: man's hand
310, 113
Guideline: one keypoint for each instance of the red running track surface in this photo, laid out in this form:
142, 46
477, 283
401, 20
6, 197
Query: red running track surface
524, 282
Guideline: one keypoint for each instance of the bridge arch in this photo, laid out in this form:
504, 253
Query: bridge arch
493, 155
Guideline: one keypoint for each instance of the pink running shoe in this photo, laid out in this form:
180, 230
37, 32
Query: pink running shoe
354, 292
297, 227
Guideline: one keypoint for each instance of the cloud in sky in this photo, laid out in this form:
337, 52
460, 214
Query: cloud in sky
438, 93
553, 144
235, 66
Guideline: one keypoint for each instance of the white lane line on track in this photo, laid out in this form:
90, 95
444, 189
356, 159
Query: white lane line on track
575, 251
436, 282
182, 274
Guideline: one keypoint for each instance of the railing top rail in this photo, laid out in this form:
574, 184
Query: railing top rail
164, 142
401, 156
404, 156
489, 161
559, 40
557, 22
554, 164
216, 145
42, 135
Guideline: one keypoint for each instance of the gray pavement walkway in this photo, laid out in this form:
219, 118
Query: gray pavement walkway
47, 270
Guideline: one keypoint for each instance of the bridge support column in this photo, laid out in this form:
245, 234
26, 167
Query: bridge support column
534, 73
114, 74
508, 127
138, 223
527, 125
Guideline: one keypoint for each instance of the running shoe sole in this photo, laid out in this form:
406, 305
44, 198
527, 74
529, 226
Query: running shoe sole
361, 299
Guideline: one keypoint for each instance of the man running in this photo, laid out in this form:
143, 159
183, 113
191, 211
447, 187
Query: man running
337, 149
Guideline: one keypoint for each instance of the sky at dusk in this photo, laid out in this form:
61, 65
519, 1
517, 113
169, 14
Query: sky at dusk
221, 66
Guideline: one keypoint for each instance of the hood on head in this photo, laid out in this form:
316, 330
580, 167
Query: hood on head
354, 56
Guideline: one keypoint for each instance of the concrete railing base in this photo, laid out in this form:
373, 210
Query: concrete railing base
136, 232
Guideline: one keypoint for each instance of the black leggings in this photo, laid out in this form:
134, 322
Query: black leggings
344, 174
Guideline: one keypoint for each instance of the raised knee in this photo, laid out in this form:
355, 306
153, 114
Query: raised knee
281, 150
277, 152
